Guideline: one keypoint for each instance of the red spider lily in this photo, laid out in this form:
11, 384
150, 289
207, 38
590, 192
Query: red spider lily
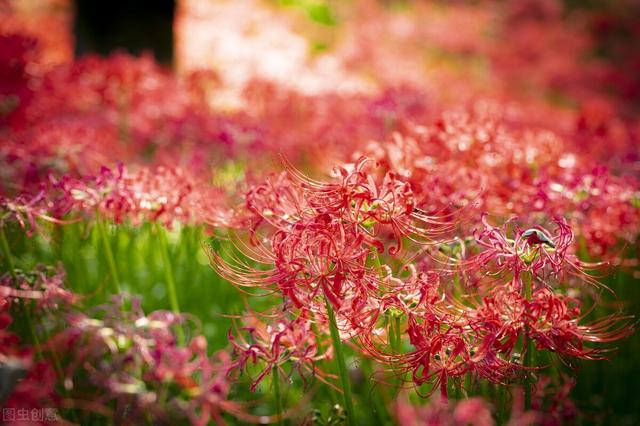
448, 341
476, 157
452, 338
27, 383
277, 201
532, 251
162, 195
605, 211
26, 210
317, 244
501, 316
519, 416
552, 403
282, 341
312, 258
450, 348
17, 53
130, 357
324, 233
551, 407
360, 201
313, 240
441, 412
10, 343
165, 195
553, 322
43, 284
325, 256
36, 390
437, 355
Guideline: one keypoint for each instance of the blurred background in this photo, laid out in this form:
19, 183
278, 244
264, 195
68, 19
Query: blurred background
532, 45
570, 66
573, 65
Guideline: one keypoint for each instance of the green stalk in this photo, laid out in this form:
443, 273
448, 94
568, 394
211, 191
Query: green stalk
528, 346
342, 366
377, 400
332, 392
108, 255
168, 270
32, 328
457, 392
7, 254
169, 277
467, 385
492, 393
501, 405
377, 264
276, 394
555, 369
6, 251
397, 344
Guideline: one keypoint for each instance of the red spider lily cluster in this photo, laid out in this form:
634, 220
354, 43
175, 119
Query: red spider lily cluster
31, 382
463, 311
454, 238
121, 196
483, 157
475, 411
132, 357
128, 357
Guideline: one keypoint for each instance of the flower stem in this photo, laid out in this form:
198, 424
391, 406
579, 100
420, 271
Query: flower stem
342, 367
528, 346
379, 400
501, 405
169, 277
397, 344
168, 270
276, 394
7, 253
108, 255
467, 385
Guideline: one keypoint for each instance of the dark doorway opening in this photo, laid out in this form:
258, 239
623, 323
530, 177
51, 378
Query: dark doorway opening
135, 26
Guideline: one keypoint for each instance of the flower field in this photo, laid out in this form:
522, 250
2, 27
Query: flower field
324, 213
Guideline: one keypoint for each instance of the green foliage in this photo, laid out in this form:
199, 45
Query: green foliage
317, 11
